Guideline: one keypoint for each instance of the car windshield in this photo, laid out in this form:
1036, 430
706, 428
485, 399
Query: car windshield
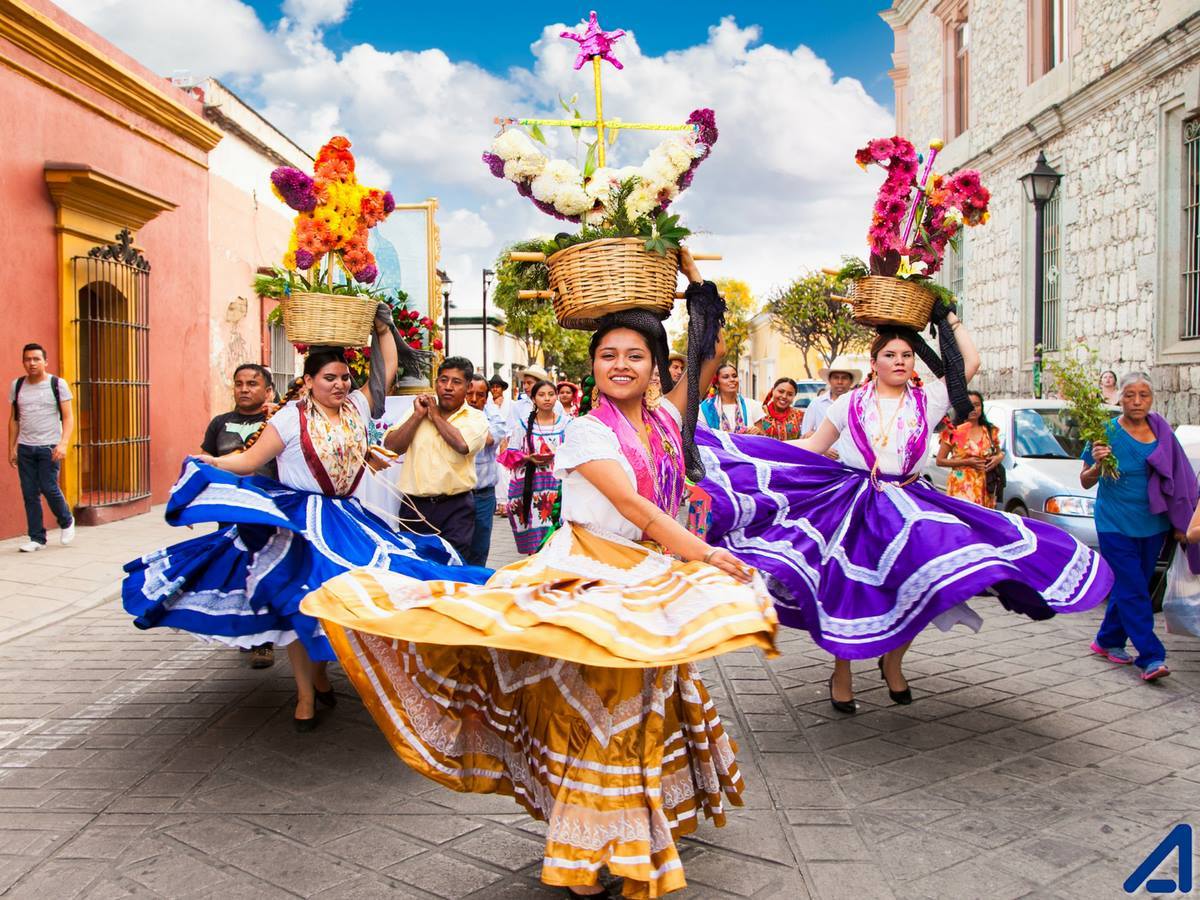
1046, 434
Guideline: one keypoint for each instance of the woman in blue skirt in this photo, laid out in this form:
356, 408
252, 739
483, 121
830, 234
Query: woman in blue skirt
242, 585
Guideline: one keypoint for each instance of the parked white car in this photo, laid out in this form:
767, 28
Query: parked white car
1042, 448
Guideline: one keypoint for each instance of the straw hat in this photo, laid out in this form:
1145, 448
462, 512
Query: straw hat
537, 372
841, 364
675, 355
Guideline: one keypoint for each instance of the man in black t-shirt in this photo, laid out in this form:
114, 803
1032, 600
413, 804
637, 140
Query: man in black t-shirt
227, 433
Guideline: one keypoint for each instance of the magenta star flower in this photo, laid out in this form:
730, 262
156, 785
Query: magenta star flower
595, 42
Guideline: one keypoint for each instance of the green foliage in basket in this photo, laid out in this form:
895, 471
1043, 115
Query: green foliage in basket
662, 233
854, 267
1077, 379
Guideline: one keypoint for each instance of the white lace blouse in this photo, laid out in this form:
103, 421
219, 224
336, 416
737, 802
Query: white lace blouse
588, 439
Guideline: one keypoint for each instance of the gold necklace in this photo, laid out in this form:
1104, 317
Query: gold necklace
884, 436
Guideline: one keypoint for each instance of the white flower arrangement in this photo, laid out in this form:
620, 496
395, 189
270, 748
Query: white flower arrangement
559, 188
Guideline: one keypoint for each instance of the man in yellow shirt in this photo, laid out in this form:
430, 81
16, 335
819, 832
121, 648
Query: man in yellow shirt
439, 439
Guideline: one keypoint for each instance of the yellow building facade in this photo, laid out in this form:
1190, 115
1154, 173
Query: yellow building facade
769, 355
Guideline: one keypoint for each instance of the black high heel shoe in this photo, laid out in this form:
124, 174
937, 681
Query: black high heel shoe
304, 726
842, 706
903, 697
329, 698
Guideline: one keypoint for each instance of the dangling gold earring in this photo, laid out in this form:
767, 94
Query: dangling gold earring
595, 396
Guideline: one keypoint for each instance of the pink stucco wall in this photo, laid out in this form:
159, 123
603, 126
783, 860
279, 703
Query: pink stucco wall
246, 232
41, 125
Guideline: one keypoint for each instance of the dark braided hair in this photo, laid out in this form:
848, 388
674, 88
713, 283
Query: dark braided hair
527, 488
585, 400
295, 389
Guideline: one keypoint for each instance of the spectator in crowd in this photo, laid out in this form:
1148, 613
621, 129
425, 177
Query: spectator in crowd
971, 451
533, 490
253, 393
841, 378
521, 407
486, 472
1135, 514
568, 397
726, 409
676, 364
439, 438
1109, 389
39, 434
499, 400
782, 420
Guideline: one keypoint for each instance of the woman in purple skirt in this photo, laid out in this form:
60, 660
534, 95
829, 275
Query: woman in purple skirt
863, 554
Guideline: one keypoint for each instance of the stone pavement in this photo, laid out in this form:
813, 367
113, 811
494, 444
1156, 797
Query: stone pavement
37, 589
151, 765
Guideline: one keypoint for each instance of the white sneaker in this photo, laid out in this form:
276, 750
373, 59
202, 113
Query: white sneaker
67, 535
31, 547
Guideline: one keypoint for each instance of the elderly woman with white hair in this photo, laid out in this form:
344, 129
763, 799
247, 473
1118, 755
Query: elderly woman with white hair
1136, 511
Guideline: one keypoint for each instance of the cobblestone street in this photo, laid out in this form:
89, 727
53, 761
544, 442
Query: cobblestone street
152, 765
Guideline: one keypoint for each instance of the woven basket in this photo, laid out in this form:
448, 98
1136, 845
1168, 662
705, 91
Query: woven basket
879, 300
331, 320
593, 279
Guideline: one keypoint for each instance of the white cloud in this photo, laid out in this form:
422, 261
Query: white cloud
184, 37
780, 193
311, 13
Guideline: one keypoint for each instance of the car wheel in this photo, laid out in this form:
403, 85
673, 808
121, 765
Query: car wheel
1019, 509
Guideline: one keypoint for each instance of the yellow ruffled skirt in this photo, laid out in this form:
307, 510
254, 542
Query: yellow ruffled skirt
567, 681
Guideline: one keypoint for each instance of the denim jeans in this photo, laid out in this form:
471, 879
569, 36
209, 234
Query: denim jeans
1130, 613
485, 517
39, 476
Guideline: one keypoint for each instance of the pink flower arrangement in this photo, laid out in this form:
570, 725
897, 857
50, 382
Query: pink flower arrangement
938, 206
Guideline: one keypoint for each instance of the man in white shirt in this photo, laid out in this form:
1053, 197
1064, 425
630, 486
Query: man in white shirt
841, 378
499, 401
487, 472
39, 433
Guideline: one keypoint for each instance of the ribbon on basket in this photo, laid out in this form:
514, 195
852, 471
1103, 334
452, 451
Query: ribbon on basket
949, 364
706, 318
409, 361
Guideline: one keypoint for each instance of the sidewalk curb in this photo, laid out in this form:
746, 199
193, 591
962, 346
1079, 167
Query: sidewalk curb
96, 598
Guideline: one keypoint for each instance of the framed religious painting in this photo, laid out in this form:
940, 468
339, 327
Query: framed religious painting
406, 247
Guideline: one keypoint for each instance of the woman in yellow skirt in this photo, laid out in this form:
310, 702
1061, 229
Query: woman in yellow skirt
569, 680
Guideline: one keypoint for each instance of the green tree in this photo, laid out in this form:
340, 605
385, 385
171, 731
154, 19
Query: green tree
567, 350
807, 316
740, 308
532, 321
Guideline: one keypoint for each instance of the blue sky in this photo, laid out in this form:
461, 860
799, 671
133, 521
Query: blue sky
797, 88
849, 34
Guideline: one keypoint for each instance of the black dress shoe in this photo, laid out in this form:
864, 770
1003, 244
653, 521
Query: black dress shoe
842, 706
903, 697
304, 726
329, 698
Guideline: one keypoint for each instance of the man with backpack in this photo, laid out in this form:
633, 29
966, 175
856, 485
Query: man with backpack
39, 432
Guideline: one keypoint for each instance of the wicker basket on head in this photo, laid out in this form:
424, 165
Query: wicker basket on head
592, 279
331, 320
880, 300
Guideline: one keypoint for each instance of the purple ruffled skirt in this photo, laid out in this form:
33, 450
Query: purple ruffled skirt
864, 570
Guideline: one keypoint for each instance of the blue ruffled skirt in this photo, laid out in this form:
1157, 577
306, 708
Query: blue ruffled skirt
242, 584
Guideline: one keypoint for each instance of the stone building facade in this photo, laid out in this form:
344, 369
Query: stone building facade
1110, 91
